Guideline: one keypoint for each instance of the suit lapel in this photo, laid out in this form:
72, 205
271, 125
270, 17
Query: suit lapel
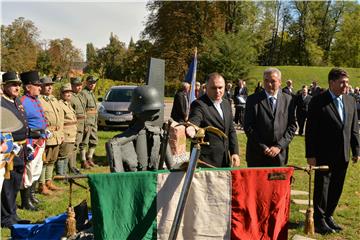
266, 105
346, 109
334, 109
279, 105
215, 113
225, 113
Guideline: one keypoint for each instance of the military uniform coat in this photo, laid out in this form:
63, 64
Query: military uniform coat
78, 104
70, 122
54, 115
90, 134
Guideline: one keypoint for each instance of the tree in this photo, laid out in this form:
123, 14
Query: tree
229, 54
20, 45
91, 59
346, 50
63, 56
176, 28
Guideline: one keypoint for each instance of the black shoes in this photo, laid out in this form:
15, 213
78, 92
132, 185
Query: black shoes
33, 198
25, 200
75, 171
332, 224
322, 227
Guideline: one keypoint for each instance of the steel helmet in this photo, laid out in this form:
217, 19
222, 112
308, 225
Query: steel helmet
145, 98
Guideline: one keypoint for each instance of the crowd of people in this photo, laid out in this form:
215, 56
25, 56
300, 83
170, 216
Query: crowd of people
52, 131
269, 118
49, 132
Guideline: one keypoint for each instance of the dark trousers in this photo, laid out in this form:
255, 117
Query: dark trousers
9, 192
301, 118
239, 115
328, 186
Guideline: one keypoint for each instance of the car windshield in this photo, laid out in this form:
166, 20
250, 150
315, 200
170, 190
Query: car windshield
119, 95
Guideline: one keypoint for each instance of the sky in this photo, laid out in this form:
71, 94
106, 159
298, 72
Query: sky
82, 22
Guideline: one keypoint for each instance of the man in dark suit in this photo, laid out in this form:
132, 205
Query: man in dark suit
269, 123
180, 109
240, 96
211, 110
331, 131
302, 104
289, 88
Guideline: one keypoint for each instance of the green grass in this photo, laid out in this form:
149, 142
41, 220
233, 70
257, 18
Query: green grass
301, 76
347, 214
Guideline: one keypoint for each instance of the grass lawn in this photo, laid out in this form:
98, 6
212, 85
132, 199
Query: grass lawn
347, 214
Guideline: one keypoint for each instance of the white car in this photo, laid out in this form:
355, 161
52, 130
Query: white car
113, 109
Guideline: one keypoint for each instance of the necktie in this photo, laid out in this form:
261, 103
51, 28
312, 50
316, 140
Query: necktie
272, 103
340, 107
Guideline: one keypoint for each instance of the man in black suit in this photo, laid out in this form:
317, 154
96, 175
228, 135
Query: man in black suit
180, 109
331, 131
302, 104
289, 88
211, 110
240, 96
269, 123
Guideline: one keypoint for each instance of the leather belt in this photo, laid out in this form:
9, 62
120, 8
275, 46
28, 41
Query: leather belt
36, 133
20, 142
80, 117
70, 123
54, 128
91, 111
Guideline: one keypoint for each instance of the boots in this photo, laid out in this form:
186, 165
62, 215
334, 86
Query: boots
33, 198
85, 165
60, 167
90, 157
25, 200
44, 190
91, 163
50, 185
84, 162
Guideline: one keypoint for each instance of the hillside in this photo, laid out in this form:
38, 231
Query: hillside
301, 75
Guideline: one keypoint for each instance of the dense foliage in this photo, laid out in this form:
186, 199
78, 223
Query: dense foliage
230, 37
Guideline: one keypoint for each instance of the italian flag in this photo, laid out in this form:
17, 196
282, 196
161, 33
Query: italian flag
222, 204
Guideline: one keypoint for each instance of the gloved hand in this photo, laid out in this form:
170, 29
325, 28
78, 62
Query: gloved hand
48, 134
30, 152
16, 148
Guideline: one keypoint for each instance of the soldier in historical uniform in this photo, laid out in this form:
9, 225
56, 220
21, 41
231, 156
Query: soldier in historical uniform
66, 153
11, 186
55, 123
90, 138
78, 103
37, 135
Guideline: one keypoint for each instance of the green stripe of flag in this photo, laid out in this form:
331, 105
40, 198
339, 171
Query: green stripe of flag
124, 205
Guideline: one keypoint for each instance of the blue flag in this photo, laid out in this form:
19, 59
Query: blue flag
191, 77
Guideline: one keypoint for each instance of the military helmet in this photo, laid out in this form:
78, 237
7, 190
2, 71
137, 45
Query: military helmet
145, 98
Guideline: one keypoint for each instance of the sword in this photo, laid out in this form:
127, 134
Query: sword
199, 140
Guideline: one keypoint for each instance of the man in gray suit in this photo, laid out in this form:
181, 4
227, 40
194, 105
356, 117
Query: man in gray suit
269, 123
332, 130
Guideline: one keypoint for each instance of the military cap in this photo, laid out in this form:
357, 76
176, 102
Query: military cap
31, 77
9, 122
10, 77
65, 87
46, 80
75, 81
91, 79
